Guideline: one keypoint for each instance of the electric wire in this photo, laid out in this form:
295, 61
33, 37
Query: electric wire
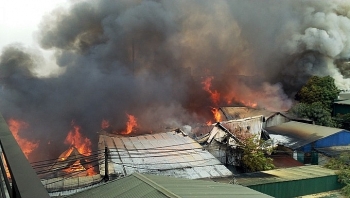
72, 175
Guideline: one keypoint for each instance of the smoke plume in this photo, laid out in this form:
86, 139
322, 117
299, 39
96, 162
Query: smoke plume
150, 59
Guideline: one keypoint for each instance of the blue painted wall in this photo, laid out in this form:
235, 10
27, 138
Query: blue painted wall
341, 138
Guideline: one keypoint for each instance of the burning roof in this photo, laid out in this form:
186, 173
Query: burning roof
71, 162
167, 63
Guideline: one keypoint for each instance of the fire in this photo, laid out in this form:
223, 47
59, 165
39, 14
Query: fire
8, 175
214, 95
75, 139
130, 124
65, 154
217, 115
249, 103
82, 144
208, 123
27, 146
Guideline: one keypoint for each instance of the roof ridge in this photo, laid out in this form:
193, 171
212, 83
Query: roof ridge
155, 185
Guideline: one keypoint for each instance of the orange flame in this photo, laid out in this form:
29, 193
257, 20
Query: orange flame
214, 95
249, 103
130, 124
208, 123
27, 146
74, 138
8, 175
82, 144
217, 115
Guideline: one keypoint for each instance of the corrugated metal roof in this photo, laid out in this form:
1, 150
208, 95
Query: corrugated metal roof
296, 134
334, 151
283, 175
144, 185
343, 102
241, 127
285, 161
171, 154
234, 113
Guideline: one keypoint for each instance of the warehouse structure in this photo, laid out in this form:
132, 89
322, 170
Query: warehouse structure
303, 140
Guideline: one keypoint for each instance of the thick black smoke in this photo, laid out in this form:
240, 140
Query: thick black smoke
149, 59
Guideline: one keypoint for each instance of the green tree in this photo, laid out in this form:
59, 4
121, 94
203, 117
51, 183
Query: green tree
318, 89
316, 112
315, 101
254, 158
343, 120
341, 164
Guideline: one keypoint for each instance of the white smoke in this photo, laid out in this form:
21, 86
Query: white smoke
323, 27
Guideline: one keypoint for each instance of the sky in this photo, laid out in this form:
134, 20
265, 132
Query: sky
20, 19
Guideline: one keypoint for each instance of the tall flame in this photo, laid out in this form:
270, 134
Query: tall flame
82, 144
217, 115
214, 95
75, 138
130, 124
27, 146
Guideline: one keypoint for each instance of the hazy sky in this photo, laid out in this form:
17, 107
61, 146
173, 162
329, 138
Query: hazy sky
19, 19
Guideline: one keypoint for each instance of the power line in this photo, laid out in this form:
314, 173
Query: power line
63, 168
73, 175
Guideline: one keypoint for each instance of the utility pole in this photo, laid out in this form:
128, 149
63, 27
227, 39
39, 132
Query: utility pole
106, 177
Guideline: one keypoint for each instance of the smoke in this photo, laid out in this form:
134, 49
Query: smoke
149, 59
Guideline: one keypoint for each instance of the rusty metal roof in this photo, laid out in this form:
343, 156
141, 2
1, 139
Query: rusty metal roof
284, 161
145, 185
296, 134
170, 153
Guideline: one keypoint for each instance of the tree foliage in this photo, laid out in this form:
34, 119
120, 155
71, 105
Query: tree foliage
254, 158
316, 112
342, 165
315, 101
343, 121
318, 89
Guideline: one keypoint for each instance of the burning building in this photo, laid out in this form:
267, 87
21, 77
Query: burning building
166, 64
171, 154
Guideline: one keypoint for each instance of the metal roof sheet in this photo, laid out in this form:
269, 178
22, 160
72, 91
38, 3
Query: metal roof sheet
343, 102
296, 134
334, 151
171, 154
145, 185
233, 113
285, 161
283, 175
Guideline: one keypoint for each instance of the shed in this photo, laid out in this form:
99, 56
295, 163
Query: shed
224, 138
170, 153
305, 138
341, 107
291, 182
146, 185
271, 118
